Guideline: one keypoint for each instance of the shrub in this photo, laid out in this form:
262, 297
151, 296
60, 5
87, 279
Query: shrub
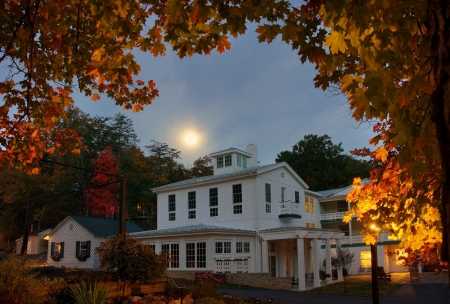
18, 284
129, 259
88, 292
205, 285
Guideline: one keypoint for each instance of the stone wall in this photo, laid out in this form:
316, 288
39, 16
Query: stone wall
263, 280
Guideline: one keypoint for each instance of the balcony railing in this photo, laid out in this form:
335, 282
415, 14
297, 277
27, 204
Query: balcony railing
357, 239
289, 209
336, 216
231, 266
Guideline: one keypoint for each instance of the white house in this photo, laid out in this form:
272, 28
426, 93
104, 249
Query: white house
36, 242
244, 218
72, 243
333, 207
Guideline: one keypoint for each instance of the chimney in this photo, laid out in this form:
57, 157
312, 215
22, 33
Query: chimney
253, 150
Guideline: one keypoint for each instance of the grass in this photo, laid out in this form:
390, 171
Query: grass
361, 289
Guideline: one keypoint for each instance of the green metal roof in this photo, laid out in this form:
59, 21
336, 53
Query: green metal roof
103, 227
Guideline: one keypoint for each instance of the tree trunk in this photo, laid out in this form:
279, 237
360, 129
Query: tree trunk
439, 30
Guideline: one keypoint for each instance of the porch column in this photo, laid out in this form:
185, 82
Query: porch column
264, 256
339, 271
316, 257
301, 264
328, 258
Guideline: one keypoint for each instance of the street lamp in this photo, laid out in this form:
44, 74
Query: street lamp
374, 258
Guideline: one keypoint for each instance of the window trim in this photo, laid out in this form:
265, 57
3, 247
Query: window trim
60, 255
172, 207
79, 248
237, 198
192, 204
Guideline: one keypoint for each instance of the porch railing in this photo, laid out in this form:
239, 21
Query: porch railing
289, 209
336, 216
231, 266
357, 239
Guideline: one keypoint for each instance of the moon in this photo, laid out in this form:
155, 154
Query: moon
191, 139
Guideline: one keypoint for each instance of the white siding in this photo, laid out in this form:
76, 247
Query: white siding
226, 218
70, 233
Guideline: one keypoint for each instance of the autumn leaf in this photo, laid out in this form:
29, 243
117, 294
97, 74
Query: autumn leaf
336, 42
95, 97
382, 154
223, 44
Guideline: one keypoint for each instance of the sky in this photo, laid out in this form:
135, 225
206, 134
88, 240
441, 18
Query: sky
254, 93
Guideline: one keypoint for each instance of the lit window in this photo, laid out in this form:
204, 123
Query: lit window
57, 251
311, 205
366, 259
306, 204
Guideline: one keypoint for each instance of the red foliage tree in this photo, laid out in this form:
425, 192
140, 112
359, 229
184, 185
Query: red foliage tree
103, 200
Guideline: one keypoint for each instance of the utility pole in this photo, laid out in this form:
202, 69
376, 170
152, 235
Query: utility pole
26, 229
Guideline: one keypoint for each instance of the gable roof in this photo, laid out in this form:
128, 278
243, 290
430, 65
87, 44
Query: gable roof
101, 227
230, 150
341, 191
189, 229
211, 178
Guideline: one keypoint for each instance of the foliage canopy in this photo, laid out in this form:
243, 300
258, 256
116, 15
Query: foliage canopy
391, 59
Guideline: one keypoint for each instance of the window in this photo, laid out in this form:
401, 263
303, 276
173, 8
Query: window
313, 225
219, 247
201, 255
366, 259
57, 251
241, 161
283, 190
246, 247
228, 161
342, 206
196, 255
153, 247
297, 197
172, 207
311, 205
191, 205
190, 255
226, 247
82, 250
213, 202
306, 204
219, 162
165, 251
345, 229
308, 225
237, 199
172, 251
268, 199
238, 247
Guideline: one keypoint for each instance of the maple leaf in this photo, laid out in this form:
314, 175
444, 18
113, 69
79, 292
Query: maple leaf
336, 42
95, 97
223, 44
381, 153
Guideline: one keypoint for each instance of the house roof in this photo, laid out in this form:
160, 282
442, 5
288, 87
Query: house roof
189, 229
327, 193
101, 227
230, 150
243, 172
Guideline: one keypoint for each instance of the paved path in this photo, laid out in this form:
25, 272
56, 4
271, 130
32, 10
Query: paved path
432, 289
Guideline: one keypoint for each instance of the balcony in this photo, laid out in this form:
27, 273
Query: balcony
357, 239
289, 209
334, 217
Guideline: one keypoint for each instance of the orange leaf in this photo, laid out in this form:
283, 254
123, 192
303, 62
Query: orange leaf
95, 97
223, 44
381, 153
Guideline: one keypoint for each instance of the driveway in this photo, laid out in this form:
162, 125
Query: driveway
432, 289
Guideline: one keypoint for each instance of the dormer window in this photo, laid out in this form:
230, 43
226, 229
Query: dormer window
224, 160
241, 161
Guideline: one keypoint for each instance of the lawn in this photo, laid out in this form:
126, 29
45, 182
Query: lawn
362, 289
